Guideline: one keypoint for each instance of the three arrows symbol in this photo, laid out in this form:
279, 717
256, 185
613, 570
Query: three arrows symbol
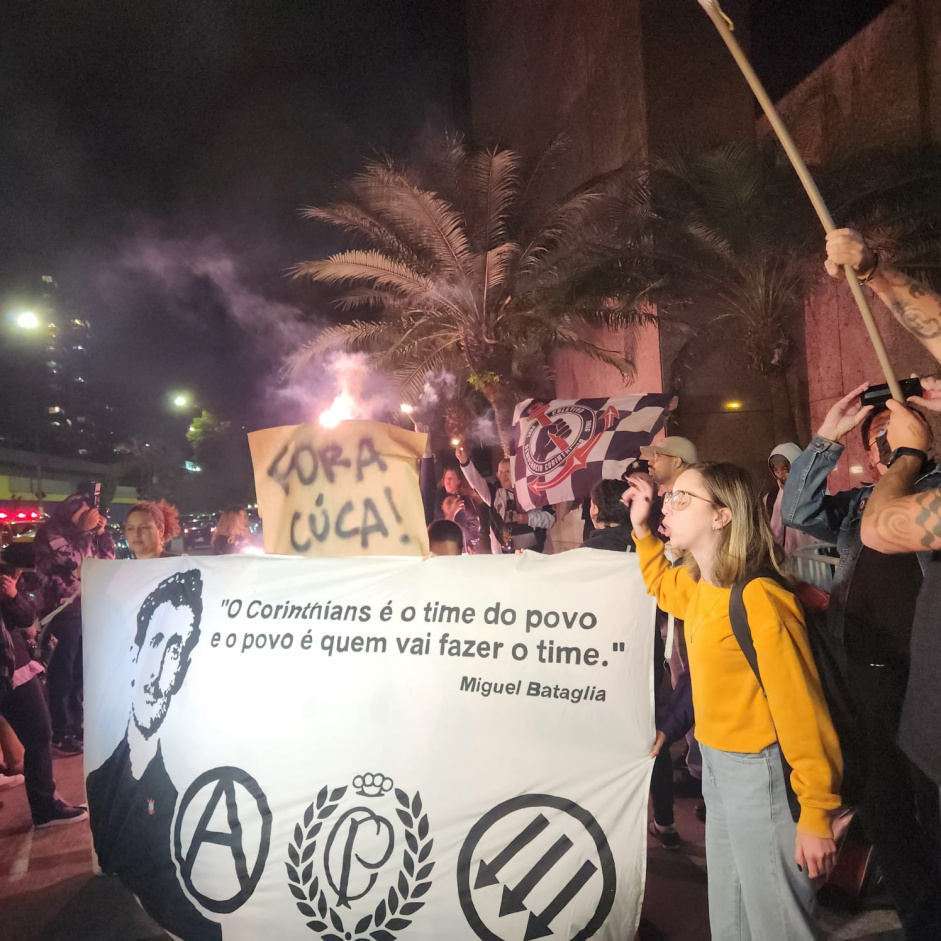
538, 925
488, 873
514, 899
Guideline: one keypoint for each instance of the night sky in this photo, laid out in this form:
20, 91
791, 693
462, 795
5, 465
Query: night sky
153, 156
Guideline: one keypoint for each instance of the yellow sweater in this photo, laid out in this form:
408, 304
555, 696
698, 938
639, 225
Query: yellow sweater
732, 713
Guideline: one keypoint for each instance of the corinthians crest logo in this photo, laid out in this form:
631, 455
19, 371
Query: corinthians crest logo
360, 860
560, 438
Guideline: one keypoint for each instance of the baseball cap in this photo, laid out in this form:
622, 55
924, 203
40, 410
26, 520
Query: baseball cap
673, 446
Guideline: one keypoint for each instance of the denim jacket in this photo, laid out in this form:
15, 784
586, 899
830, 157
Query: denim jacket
807, 506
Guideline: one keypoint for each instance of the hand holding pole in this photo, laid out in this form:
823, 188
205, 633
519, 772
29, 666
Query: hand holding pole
724, 25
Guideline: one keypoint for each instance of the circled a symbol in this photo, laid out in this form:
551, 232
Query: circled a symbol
225, 782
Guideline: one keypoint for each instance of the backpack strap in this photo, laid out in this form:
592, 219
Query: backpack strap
740, 626
742, 631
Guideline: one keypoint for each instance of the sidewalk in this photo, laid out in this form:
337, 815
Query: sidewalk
48, 890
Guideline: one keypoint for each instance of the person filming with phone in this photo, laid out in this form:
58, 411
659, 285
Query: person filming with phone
872, 611
75, 531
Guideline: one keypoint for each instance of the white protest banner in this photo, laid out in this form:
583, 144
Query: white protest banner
372, 749
351, 490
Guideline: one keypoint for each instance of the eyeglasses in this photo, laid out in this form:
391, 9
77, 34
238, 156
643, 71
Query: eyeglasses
679, 499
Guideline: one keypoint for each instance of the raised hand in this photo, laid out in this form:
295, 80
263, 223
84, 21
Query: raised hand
638, 498
847, 247
930, 398
845, 415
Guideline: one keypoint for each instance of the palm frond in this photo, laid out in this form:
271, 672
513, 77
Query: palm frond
499, 263
562, 227
494, 176
357, 221
372, 268
356, 337
428, 224
371, 298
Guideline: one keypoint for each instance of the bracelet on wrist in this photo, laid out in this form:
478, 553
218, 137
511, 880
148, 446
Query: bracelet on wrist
868, 276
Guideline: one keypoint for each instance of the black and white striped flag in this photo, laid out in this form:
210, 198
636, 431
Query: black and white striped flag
562, 448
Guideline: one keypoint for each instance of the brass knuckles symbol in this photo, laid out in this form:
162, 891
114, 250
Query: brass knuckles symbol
413, 880
372, 785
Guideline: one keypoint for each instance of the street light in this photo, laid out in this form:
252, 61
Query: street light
27, 320
181, 400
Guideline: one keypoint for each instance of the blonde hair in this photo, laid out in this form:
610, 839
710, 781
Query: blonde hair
166, 517
746, 544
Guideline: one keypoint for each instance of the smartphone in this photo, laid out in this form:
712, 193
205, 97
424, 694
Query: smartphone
879, 395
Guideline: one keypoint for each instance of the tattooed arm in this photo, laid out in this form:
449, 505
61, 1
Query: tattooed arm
897, 520
916, 307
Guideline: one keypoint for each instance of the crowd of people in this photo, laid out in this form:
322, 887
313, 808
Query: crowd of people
780, 742
41, 688
740, 632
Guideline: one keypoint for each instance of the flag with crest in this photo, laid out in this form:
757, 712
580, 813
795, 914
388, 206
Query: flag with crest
562, 448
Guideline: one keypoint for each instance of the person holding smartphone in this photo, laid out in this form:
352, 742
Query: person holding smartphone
871, 617
75, 531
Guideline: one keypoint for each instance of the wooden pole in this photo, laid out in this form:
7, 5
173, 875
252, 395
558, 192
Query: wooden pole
724, 25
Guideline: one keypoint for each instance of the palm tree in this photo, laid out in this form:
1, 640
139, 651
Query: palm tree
460, 264
728, 237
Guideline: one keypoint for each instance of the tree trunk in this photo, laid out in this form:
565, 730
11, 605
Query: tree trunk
783, 419
504, 403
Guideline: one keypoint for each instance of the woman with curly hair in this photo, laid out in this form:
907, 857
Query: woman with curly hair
149, 526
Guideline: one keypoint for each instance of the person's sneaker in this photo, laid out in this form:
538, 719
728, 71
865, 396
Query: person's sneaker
10, 780
667, 837
62, 814
700, 811
67, 747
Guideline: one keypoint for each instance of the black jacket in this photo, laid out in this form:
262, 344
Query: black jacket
16, 614
614, 538
131, 828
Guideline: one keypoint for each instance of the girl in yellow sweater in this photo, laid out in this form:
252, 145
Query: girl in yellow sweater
761, 864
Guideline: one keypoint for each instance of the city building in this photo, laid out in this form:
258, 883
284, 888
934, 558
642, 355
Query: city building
48, 360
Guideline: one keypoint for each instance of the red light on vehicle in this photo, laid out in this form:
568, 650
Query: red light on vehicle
185, 531
3, 516
21, 516
34, 515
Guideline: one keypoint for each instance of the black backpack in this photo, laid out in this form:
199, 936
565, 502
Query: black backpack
830, 661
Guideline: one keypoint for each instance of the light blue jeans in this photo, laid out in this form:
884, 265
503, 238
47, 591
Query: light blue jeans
756, 890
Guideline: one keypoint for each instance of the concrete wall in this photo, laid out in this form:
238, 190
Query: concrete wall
543, 67
883, 87
579, 376
622, 78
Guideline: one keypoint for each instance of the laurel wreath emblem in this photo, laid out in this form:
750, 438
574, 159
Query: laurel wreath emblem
394, 911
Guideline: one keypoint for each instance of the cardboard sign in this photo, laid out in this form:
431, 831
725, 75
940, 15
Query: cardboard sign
372, 749
351, 490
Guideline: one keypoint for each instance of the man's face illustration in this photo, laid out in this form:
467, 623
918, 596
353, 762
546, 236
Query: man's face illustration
159, 662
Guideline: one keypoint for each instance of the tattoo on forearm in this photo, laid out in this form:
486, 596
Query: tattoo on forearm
910, 526
915, 320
